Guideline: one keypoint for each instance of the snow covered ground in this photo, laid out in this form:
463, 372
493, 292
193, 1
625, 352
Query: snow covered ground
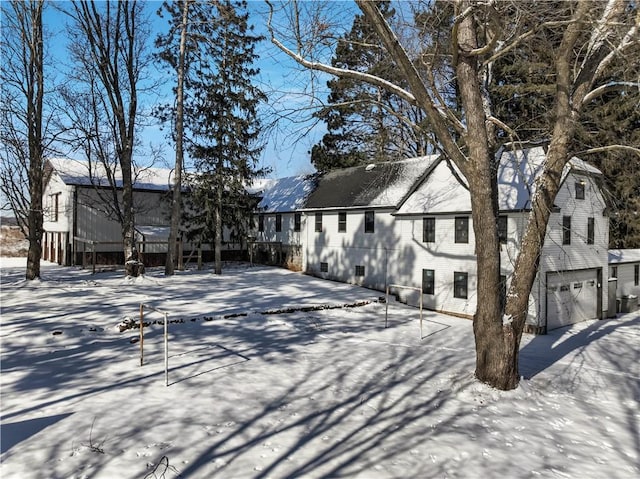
313, 393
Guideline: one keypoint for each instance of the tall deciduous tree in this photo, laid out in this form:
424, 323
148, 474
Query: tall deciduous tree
21, 133
592, 39
108, 48
220, 113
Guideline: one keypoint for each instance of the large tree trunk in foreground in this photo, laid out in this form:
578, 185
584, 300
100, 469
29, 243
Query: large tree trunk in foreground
34, 99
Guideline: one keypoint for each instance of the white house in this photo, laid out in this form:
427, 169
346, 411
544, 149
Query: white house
350, 230
436, 226
409, 223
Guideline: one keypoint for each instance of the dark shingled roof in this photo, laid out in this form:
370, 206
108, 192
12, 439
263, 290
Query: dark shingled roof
383, 184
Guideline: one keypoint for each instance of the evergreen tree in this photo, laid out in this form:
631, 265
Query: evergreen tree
366, 123
220, 114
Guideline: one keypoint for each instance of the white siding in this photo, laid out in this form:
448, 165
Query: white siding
579, 255
627, 279
343, 251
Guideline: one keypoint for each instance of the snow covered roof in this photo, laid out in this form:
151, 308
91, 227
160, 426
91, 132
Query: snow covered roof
83, 173
617, 256
444, 190
153, 232
283, 194
375, 185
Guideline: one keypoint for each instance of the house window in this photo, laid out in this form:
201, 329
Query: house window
460, 285
614, 271
462, 229
342, 222
359, 270
261, 223
278, 222
566, 230
428, 281
502, 229
324, 267
590, 230
54, 207
318, 222
579, 190
369, 221
297, 221
636, 275
428, 230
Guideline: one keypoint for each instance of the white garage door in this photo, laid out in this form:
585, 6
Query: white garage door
571, 297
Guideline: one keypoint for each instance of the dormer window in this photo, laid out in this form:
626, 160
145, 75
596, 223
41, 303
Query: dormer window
580, 190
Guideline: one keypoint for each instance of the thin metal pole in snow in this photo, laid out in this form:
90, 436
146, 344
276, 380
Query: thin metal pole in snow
141, 334
386, 308
166, 349
421, 314
166, 339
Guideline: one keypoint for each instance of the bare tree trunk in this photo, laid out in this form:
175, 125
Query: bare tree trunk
35, 92
176, 201
496, 352
111, 46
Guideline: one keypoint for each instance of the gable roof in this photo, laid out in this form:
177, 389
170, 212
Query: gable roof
384, 184
283, 194
445, 191
83, 173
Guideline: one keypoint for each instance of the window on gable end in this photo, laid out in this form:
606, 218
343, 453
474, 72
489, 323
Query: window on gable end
462, 229
54, 211
580, 190
566, 230
428, 230
591, 230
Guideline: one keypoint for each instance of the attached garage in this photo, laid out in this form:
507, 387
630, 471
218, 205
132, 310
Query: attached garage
573, 296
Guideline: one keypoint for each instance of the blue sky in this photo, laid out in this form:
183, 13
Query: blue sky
288, 144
